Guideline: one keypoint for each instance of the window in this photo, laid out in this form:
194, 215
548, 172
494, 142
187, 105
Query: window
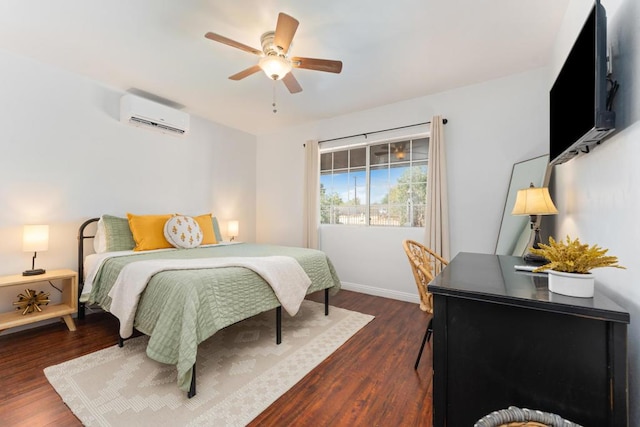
382, 184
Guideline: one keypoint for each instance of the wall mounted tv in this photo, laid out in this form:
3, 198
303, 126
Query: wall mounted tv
580, 99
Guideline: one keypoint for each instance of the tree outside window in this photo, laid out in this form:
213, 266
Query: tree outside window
384, 184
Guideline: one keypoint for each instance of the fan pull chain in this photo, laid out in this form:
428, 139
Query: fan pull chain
275, 110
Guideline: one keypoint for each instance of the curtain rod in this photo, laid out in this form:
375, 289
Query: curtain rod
444, 121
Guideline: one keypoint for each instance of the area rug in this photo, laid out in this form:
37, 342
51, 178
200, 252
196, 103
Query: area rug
240, 372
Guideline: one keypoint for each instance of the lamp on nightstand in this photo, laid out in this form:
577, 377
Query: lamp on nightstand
534, 201
35, 238
233, 229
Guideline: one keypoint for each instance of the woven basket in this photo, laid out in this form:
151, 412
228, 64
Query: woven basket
517, 417
524, 424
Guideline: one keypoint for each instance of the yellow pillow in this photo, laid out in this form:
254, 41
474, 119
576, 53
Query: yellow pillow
148, 231
206, 226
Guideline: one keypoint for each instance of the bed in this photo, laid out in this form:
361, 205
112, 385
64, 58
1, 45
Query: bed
180, 308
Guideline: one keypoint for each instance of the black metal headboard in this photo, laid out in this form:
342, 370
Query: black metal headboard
81, 238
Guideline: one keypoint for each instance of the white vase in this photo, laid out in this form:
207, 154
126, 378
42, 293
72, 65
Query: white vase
571, 284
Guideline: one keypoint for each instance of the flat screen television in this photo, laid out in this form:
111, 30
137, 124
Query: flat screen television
580, 111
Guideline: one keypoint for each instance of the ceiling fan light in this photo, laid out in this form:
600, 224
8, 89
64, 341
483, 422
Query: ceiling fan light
275, 67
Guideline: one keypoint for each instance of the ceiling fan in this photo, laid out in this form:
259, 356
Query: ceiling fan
274, 58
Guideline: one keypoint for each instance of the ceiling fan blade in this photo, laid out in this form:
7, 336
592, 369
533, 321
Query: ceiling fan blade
291, 83
245, 73
317, 64
224, 40
285, 30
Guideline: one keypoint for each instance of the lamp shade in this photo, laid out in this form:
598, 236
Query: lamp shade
233, 228
534, 201
35, 238
275, 67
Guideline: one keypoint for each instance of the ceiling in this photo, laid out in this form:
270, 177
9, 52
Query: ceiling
391, 50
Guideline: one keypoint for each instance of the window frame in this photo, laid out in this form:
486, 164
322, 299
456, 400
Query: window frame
368, 168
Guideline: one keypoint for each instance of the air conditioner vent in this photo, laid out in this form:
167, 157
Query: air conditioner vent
144, 113
162, 126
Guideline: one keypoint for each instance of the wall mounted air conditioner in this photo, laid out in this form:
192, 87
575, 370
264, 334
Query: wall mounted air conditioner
144, 113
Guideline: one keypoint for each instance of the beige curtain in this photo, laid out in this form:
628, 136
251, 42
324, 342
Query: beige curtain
311, 208
437, 215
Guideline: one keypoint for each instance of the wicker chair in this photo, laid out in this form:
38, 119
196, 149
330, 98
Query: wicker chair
425, 265
517, 417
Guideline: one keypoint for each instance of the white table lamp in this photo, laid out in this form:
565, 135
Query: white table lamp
232, 229
35, 238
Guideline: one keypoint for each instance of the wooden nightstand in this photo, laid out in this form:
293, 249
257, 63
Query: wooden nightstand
64, 309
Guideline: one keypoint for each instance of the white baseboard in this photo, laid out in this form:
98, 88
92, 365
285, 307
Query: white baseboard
387, 293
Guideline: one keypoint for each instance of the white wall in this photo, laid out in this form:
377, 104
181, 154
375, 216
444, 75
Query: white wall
65, 158
491, 126
597, 193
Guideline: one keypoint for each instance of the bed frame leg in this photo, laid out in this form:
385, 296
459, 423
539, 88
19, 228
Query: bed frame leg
278, 325
81, 310
120, 341
192, 388
326, 302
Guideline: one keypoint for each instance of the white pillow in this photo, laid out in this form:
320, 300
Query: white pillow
100, 239
182, 232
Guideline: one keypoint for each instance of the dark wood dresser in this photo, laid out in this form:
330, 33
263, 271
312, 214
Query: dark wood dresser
501, 339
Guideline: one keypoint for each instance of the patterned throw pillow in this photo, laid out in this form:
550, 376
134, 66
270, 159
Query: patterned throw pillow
117, 234
183, 232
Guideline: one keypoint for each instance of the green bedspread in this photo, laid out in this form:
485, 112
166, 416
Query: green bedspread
181, 308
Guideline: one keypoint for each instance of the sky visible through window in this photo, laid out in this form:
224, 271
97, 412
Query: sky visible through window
389, 189
345, 183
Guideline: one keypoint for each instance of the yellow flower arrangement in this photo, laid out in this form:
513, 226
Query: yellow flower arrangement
573, 257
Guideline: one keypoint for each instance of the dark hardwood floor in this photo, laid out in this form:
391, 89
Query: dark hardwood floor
369, 381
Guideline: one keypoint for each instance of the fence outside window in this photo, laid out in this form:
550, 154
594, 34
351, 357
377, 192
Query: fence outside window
382, 184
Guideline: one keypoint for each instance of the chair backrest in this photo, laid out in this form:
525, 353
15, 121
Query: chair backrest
425, 265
